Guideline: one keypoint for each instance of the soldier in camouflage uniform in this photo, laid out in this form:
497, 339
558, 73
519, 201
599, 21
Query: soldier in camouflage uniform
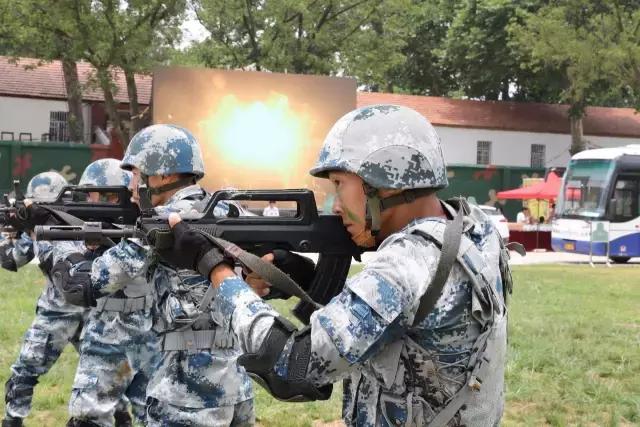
56, 324
445, 369
119, 349
197, 381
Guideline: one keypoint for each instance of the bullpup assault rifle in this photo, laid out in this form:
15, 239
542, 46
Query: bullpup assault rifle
72, 207
307, 231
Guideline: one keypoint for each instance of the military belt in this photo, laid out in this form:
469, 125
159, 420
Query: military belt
193, 341
125, 305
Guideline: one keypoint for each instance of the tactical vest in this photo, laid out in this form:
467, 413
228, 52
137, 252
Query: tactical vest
419, 395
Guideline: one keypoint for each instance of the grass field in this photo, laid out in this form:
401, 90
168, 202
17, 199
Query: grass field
574, 352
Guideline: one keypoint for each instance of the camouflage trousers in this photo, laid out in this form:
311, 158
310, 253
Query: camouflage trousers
43, 343
113, 364
163, 414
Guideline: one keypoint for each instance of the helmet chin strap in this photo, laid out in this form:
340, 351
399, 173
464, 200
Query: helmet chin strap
376, 205
182, 182
145, 192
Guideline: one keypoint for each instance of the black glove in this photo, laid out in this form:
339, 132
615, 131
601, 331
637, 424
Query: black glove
301, 269
27, 217
6, 261
75, 288
192, 251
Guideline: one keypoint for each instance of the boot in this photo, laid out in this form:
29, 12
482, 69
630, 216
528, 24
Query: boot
123, 419
12, 422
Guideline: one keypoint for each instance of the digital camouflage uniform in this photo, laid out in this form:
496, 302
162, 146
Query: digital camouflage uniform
119, 349
56, 323
192, 385
397, 373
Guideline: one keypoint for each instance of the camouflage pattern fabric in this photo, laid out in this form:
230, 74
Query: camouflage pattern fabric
388, 146
118, 353
165, 414
56, 324
105, 172
397, 374
164, 150
45, 186
201, 379
117, 356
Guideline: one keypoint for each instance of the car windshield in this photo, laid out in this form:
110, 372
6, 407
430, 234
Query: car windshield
584, 193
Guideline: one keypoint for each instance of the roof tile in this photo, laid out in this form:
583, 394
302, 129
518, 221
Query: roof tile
33, 78
514, 116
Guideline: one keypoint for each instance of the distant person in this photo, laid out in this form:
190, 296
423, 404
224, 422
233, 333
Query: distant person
271, 210
552, 212
524, 216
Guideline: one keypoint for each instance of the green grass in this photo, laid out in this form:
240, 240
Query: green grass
574, 351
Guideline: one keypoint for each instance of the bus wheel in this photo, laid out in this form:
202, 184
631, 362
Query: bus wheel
620, 259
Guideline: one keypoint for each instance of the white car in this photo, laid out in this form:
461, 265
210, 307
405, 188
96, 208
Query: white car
499, 221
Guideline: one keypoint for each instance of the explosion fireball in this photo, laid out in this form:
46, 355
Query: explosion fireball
267, 137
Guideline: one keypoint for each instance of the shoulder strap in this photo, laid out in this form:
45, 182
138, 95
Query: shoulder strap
448, 255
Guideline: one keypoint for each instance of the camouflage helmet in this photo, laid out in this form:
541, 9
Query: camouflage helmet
164, 150
105, 172
388, 146
45, 186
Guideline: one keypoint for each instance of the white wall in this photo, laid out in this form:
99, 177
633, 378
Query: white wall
509, 148
32, 115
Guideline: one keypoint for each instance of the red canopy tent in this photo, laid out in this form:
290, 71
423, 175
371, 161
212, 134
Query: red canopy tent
547, 190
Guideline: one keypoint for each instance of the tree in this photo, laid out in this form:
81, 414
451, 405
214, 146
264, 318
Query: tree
32, 29
125, 34
360, 37
424, 72
594, 44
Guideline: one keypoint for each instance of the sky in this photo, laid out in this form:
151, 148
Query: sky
192, 31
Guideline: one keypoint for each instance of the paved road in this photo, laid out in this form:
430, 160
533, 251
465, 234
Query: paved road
563, 258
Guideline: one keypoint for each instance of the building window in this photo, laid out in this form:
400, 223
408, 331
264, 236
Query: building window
537, 155
483, 153
58, 126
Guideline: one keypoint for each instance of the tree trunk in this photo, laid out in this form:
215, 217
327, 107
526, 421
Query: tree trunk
134, 108
577, 139
74, 100
106, 84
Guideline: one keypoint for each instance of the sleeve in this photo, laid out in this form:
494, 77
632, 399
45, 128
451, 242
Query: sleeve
61, 250
374, 309
118, 266
23, 250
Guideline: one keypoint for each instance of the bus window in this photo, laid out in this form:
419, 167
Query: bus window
626, 198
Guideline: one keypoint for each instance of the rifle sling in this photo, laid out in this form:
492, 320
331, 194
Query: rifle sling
448, 255
269, 272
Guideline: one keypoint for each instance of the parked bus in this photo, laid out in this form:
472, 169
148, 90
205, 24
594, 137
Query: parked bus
600, 185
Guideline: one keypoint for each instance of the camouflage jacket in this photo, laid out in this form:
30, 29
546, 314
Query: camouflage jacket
114, 328
396, 373
23, 250
200, 379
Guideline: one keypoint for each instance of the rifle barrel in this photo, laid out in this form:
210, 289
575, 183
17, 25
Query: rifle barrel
88, 232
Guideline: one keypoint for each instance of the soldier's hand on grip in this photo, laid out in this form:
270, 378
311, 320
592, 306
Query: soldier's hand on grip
191, 249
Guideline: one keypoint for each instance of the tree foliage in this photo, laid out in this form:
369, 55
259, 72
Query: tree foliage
307, 37
131, 35
594, 44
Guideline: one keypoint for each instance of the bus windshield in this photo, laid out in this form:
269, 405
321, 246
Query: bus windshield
584, 193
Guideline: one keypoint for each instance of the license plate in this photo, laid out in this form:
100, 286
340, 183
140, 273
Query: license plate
569, 246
